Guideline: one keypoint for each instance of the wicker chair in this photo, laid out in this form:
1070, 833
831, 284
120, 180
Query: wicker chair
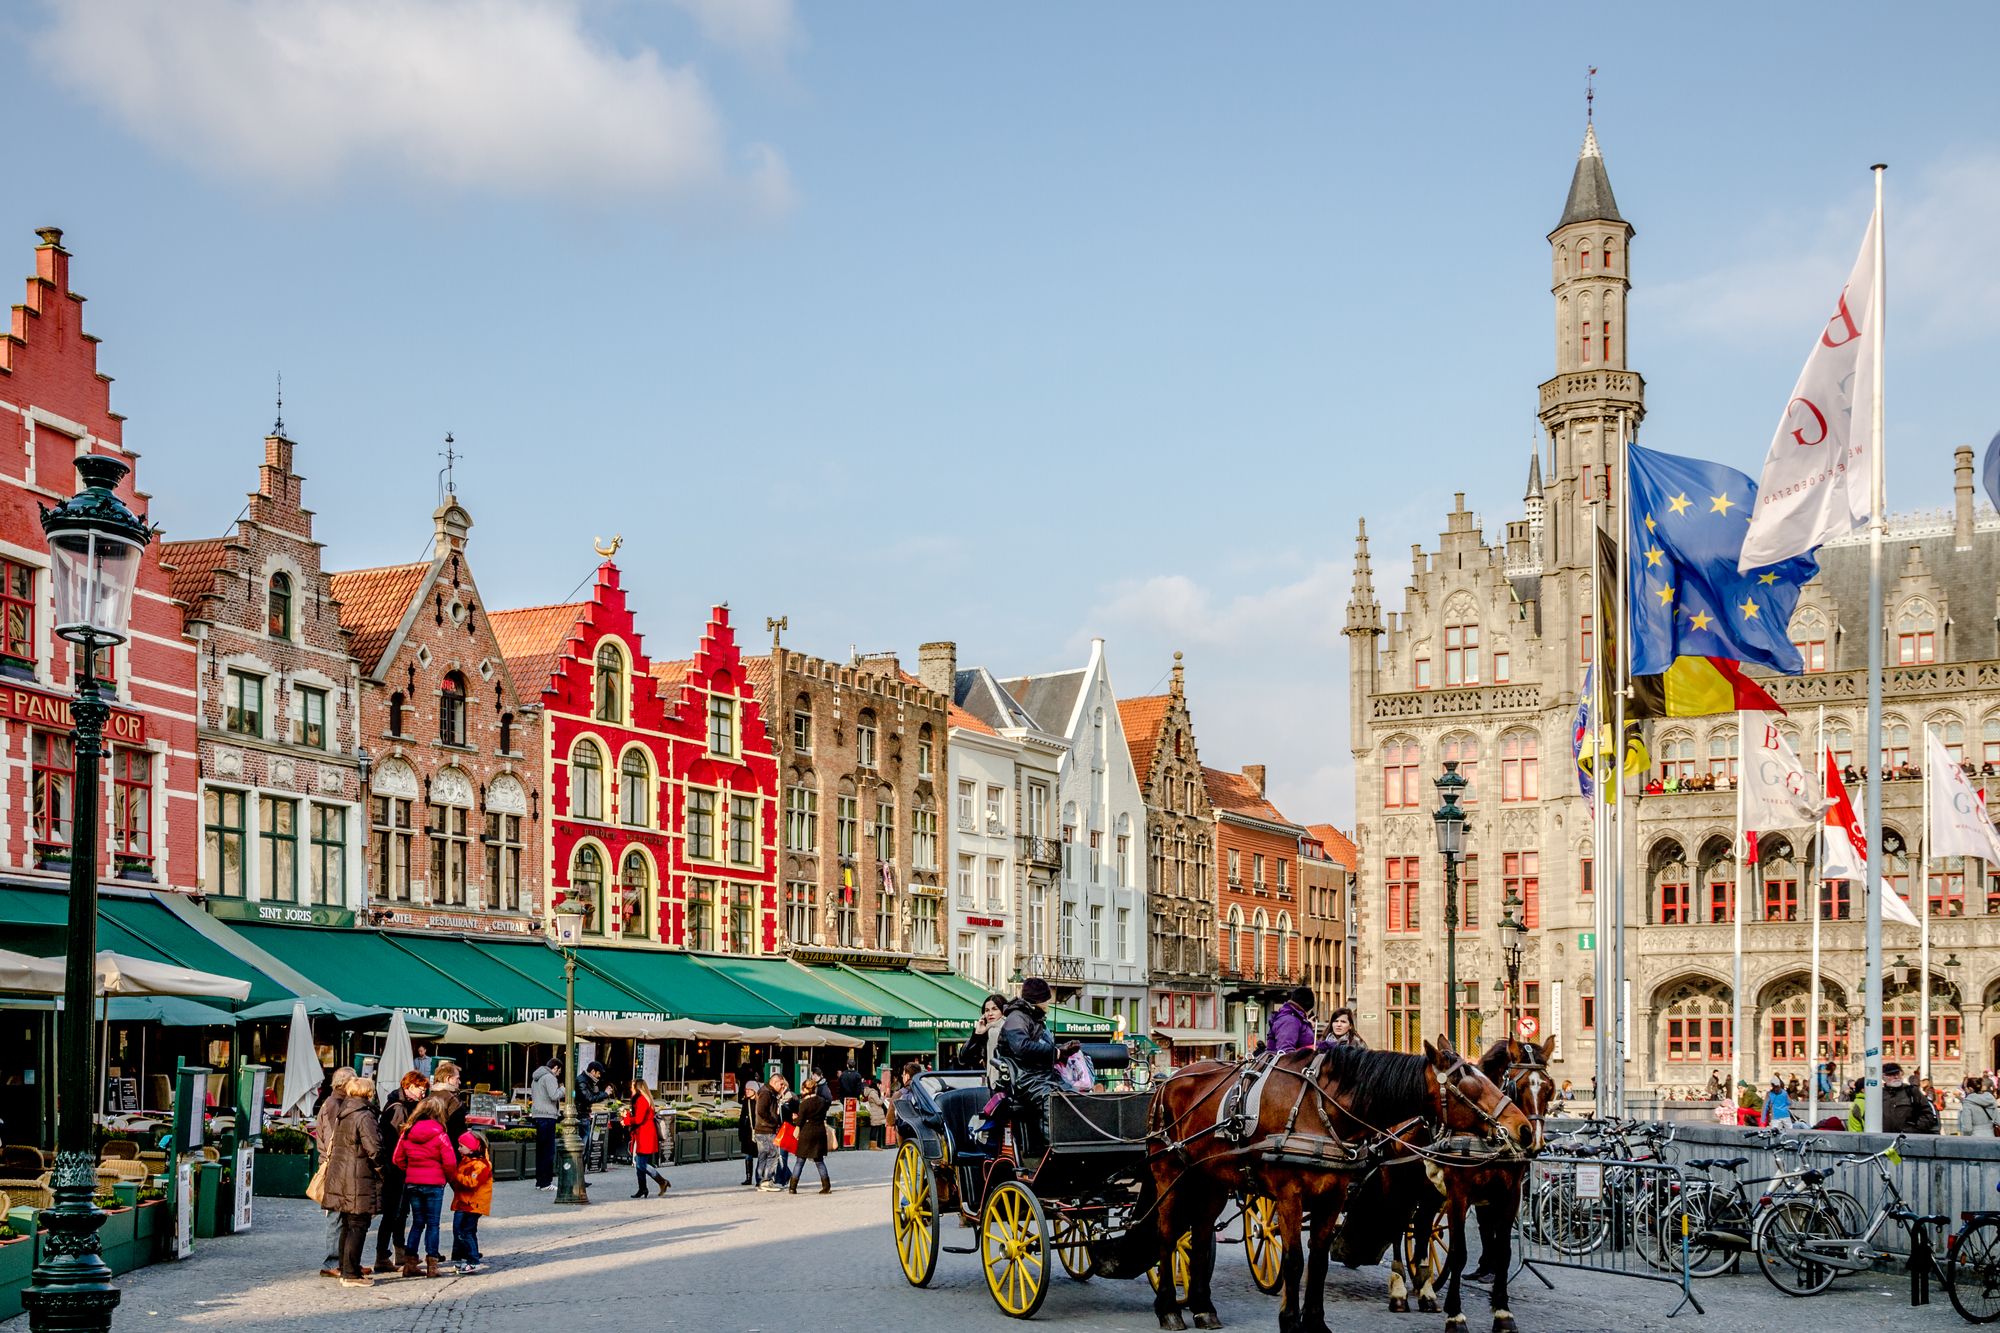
21, 1160
29, 1193
119, 1148
6, 1203
125, 1169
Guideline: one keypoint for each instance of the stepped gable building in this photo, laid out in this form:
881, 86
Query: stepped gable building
279, 698
1001, 834
453, 776
1327, 942
861, 747
55, 406
1100, 955
1257, 895
662, 788
1484, 665
1183, 1001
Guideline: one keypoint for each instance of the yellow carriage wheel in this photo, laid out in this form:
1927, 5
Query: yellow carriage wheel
1071, 1238
913, 1203
1014, 1249
1263, 1243
1183, 1262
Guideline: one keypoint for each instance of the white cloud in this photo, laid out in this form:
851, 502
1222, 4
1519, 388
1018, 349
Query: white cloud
510, 97
759, 30
1306, 611
1940, 283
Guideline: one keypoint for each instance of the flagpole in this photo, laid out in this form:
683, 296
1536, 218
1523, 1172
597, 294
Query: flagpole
1736, 917
1621, 521
1924, 930
1818, 884
1600, 962
1877, 526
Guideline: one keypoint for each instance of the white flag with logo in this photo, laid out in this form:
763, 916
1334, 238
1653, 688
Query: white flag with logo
1777, 791
1846, 855
1959, 822
1817, 474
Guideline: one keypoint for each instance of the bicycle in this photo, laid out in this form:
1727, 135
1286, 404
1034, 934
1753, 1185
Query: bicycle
1972, 1269
1720, 1218
1628, 1204
1802, 1243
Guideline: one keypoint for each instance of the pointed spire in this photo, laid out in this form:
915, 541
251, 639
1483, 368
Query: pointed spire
1534, 474
1590, 197
1364, 613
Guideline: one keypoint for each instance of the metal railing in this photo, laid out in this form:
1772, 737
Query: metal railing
1053, 966
1038, 851
1604, 1215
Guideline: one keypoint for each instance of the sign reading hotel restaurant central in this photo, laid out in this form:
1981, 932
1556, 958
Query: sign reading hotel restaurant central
52, 710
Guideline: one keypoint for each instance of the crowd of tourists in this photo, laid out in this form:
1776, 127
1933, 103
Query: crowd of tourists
1909, 1105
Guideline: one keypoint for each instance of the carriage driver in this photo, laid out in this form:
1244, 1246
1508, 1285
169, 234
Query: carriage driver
1291, 1026
1028, 1055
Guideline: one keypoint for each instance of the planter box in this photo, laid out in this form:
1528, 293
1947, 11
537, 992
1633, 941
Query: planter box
507, 1157
281, 1175
149, 1221
17, 1262
127, 1193
688, 1144
719, 1144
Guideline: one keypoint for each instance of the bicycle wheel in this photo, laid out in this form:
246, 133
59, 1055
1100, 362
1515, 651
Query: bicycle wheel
1650, 1213
1783, 1241
1973, 1274
1848, 1213
1570, 1225
1706, 1213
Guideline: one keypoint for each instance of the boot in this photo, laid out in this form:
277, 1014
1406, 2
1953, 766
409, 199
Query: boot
826, 1187
430, 1265
640, 1193
663, 1183
402, 1256
409, 1265
793, 1188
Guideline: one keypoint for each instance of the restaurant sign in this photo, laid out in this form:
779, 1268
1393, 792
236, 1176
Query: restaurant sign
477, 1018
279, 914
457, 922
52, 711
842, 1020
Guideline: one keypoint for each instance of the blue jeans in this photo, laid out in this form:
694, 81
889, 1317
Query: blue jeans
426, 1206
465, 1238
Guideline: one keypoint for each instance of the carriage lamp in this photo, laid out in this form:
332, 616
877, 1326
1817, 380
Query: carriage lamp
1450, 822
95, 545
565, 931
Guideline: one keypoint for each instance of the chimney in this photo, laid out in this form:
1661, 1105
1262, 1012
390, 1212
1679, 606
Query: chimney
51, 260
937, 667
1255, 772
1961, 491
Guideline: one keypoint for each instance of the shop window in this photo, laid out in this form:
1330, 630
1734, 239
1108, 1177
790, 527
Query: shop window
131, 809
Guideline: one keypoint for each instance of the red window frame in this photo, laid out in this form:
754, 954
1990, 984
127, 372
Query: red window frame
1400, 784
1916, 649
1836, 900
1521, 876
1468, 893
1520, 768
1675, 908
1781, 900
1813, 651
1587, 1012
1402, 880
1461, 654
1948, 894
132, 806
1586, 342
1788, 1038
53, 765
1604, 335
1584, 637
17, 611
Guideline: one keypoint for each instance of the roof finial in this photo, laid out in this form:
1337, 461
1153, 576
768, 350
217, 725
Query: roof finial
607, 550
447, 485
1589, 94
1180, 685
278, 427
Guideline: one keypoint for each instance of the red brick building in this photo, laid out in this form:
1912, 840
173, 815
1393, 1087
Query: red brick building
662, 788
55, 405
1327, 867
454, 772
1257, 893
279, 698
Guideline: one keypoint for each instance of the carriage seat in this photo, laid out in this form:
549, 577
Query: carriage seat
960, 1108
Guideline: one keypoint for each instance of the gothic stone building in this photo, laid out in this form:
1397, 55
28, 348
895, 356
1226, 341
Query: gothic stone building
1484, 665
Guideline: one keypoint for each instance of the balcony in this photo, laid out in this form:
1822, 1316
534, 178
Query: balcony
1060, 968
1045, 853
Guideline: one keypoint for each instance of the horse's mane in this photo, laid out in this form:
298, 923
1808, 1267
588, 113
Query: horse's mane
1382, 1086
1502, 1054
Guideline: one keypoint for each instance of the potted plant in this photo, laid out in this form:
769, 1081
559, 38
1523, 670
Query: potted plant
284, 1163
512, 1152
117, 1238
718, 1138
690, 1137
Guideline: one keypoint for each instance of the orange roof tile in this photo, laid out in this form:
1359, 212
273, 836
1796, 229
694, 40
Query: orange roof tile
191, 566
958, 717
1142, 718
1238, 794
1338, 845
531, 638
373, 603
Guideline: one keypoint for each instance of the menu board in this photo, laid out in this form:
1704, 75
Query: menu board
483, 1106
124, 1094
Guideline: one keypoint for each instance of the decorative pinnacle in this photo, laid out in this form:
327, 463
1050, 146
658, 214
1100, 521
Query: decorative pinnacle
278, 426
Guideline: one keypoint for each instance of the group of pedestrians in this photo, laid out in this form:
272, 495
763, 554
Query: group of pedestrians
1292, 1028
394, 1162
780, 1132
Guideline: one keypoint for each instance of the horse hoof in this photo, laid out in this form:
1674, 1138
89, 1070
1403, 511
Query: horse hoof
1397, 1305
1173, 1322
1427, 1305
1453, 1323
1208, 1320
1503, 1322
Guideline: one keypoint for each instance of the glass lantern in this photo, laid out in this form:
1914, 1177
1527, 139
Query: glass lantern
95, 545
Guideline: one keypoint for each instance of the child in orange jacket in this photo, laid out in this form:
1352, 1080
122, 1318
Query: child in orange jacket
471, 1199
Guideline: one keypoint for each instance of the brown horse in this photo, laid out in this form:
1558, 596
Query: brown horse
1323, 1119
1460, 1179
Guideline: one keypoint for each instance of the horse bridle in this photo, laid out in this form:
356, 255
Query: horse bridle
1512, 1084
1448, 1087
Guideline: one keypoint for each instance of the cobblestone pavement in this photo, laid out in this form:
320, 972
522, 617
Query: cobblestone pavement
715, 1256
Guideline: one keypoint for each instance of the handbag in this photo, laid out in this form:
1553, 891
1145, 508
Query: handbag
788, 1137
316, 1187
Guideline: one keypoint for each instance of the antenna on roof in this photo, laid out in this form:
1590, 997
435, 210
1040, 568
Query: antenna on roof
1589, 93
447, 485
278, 427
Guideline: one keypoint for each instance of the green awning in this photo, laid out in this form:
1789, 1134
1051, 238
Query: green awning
683, 986
803, 994
364, 967
597, 992
921, 1002
37, 922
1066, 1022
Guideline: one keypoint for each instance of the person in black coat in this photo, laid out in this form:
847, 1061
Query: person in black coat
1027, 1057
746, 1143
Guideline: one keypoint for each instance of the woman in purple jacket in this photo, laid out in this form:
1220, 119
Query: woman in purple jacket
1291, 1026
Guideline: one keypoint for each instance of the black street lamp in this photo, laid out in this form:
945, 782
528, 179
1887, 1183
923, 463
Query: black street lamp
1512, 931
571, 1185
95, 544
1450, 821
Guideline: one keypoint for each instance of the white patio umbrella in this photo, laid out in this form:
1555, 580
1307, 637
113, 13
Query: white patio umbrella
397, 1060
303, 1070
117, 974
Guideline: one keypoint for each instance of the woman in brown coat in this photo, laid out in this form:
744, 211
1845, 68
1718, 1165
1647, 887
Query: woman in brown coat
811, 1120
354, 1175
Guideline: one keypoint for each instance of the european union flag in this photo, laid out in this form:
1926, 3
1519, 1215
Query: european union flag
1687, 521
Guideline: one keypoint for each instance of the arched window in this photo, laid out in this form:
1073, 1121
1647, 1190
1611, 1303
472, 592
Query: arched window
1951, 734
586, 782
1676, 752
1916, 634
635, 789
1610, 257
1464, 747
1989, 747
451, 709
1260, 926
396, 713
1519, 779
1840, 740
635, 881
1400, 783
1809, 637
1722, 756
506, 733
802, 724
279, 607
865, 740
1695, 1023
1787, 1005
1895, 744
1232, 935
1284, 944
586, 885
610, 683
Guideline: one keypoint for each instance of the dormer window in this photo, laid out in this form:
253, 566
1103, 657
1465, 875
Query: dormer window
279, 607
451, 709
610, 684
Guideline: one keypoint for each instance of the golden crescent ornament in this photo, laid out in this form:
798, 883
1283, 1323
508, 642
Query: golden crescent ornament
597, 545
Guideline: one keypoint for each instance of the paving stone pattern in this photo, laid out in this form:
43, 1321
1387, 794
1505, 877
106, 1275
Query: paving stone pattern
715, 1256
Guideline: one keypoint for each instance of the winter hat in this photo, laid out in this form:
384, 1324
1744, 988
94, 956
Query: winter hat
1302, 996
1892, 1069
1035, 990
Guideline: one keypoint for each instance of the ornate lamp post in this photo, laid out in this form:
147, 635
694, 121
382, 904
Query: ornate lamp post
571, 1186
1512, 930
95, 544
1450, 821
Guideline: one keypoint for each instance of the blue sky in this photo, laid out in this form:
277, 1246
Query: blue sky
1007, 324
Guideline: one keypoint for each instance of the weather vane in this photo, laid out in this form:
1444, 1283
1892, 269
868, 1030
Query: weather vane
447, 484
279, 427
598, 545
1589, 94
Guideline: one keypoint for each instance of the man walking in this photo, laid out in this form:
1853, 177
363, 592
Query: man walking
767, 1116
545, 1093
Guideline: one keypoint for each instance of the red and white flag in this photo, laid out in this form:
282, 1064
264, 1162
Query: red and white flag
1847, 848
1960, 825
1817, 473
